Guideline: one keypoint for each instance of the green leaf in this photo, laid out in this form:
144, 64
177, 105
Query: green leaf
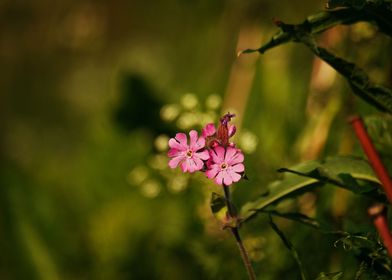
330, 276
339, 170
290, 247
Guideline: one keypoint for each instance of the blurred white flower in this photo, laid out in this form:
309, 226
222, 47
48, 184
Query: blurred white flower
170, 112
208, 117
178, 184
150, 188
213, 101
189, 101
137, 175
161, 142
158, 162
187, 120
248, 141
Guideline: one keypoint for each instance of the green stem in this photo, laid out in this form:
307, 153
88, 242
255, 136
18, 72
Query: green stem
234, 230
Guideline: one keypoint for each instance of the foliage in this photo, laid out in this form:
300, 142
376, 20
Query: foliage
350, 173
91, 92
381, 13
346, 172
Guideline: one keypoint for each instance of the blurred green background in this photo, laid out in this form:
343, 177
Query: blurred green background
90, 91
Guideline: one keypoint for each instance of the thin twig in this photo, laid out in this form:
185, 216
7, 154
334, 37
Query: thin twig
234, 230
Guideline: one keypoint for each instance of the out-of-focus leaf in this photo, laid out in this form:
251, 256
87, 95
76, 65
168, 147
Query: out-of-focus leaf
378, 11
349, 12
313, 24
290, 247
367, 249
330, 276
380, 129
376, 95
332, 4
298, 217
218, 206
339, 170
361, 270
305, 220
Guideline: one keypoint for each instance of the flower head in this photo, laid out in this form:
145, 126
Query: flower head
209, 130
225, 165
211, 153
223, 133
189, 157
215, 137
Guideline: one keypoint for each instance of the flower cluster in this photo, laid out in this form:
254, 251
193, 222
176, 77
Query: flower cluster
211, 153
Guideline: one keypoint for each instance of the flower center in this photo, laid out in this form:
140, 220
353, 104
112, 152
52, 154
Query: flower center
224, 166
189, 153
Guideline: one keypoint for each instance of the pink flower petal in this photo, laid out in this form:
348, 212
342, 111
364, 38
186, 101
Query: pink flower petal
237, 158
184, 165
218, 154
235, 176
230, 152
227, 180
196, 143
194, 164
191, 165
200, 143
204, 155
239, 167
193, 139
219, 178
178, 142
198, 163
173, 163
181, 138
232, 130
211, 173
173, 143
174, 153
208, 130
209, 163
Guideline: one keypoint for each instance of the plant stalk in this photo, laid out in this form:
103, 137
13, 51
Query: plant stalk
372, 155
378, 212
234, 230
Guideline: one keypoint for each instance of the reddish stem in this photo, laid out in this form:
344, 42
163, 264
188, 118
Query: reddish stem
234, 230
372, 155
379, 215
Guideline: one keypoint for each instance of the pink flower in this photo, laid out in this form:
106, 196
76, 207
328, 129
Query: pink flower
191, 156
225, 165
209, 130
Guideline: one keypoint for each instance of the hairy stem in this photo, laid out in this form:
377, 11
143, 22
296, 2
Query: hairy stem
234, 230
